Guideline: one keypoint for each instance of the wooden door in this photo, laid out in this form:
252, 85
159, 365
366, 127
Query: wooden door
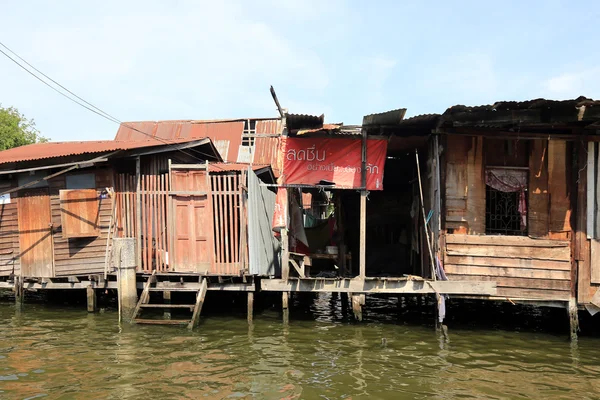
35, 233
192, 245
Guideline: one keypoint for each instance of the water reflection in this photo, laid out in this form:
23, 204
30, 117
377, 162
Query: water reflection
322, 353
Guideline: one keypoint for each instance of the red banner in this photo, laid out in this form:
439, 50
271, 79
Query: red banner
335, 161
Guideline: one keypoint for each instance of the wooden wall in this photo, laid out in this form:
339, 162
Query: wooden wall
82, 255
9, 234
522, 267
465, 187
536, 267
79, 256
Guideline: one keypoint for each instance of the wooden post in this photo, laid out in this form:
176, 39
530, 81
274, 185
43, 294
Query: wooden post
250, 306
573, 318
167, 300
363, 235
285, 254
363, 208
358, 300
91, 299
18, 291
285, 306
138, 212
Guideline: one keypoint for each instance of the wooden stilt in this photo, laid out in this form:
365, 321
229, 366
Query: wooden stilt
358, 300
250, 306
18, 291
284, 301
167, 300
573, 318
91, 299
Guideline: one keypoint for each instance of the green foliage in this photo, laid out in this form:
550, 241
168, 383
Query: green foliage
16, 130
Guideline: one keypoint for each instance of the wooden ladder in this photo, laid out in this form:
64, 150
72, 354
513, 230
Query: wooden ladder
144, 303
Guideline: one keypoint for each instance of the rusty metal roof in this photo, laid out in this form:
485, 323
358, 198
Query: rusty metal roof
226, 134
41, 151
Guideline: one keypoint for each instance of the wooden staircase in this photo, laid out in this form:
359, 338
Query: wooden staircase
144, 303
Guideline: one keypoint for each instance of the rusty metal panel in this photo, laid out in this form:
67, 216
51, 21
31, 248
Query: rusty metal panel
268, 127
265, 152
192, 221
35, 234
80, 212
225, 131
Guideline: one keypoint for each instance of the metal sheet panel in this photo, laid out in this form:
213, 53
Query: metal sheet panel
225, 131
35, 234
263, 248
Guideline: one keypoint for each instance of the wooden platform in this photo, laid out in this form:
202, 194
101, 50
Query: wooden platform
379, 285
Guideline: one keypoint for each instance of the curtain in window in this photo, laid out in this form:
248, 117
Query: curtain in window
510, 180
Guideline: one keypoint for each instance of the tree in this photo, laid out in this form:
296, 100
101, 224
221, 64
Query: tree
16, 130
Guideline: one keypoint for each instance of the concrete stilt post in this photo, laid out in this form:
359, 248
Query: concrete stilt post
125, 260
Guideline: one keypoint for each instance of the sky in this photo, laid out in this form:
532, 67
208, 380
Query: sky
157, 60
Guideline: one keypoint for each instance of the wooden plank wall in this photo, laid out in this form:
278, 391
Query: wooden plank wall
465, 187
80, 256
558, 186
226, 197
154, 192
539, 198
523, 267
9, 234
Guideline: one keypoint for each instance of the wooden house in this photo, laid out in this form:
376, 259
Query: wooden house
508, 198
62, 203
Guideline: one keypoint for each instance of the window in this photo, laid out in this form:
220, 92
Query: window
506, 182
81, 181
79, 213
32, 176
249, 132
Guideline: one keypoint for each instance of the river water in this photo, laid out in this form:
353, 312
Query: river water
61, 352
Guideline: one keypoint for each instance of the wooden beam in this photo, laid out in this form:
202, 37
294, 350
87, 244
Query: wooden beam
91, 299
357, 285
591, 183
363, 235
138, 212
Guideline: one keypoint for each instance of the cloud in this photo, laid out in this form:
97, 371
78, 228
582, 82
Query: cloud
375, 72
149, 60
572, 84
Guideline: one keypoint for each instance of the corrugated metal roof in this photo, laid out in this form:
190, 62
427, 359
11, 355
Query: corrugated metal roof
227, 134
41, 151
508, 114
392, 117
302, 121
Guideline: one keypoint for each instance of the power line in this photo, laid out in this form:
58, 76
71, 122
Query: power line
53, 81
91, 107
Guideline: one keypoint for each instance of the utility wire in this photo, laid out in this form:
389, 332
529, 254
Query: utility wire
89, 106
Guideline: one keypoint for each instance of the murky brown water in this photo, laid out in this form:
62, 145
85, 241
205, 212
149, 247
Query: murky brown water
61, 352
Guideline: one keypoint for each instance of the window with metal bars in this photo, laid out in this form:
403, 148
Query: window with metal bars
502, 216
